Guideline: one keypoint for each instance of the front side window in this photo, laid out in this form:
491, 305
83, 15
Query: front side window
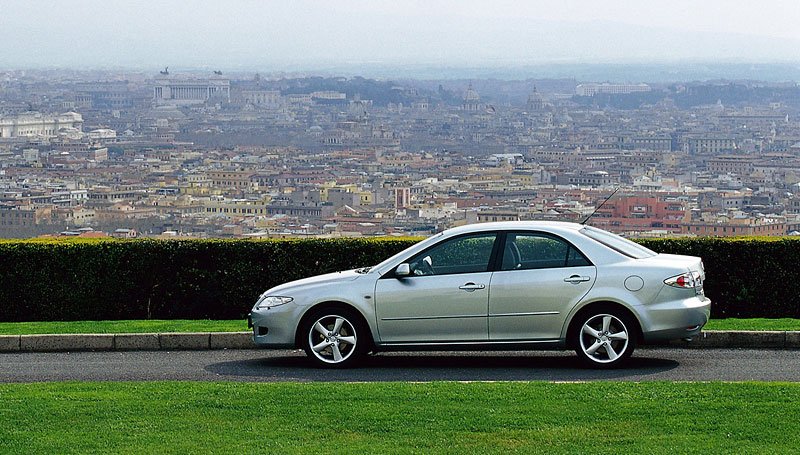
467, 254
525, 251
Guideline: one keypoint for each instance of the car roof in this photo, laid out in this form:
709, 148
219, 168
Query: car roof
565, 229
514, 225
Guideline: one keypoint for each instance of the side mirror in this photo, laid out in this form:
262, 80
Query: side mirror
402, 270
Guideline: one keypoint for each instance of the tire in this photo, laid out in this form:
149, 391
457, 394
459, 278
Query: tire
335, 338
604, 338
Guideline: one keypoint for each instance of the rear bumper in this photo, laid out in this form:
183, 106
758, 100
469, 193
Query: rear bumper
674, 320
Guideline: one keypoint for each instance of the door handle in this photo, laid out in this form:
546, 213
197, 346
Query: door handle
470, 287
575, 279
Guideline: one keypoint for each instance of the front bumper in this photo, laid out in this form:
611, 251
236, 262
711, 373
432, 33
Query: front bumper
275, 327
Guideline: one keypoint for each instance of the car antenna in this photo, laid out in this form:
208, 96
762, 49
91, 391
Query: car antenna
598, 207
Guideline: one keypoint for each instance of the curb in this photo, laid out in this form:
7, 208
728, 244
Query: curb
766, 339
244, 340
127, 342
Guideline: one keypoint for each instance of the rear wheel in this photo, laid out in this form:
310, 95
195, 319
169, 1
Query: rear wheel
335, 338
605, 339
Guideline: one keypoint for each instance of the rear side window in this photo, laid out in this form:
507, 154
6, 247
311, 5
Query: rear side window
617, 243
526, 251
576, 259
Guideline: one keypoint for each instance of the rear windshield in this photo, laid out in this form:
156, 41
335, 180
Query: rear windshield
617, 243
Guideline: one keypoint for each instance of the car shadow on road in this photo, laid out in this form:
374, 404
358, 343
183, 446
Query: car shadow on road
440, 367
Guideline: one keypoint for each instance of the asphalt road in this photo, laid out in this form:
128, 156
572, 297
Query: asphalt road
272, 366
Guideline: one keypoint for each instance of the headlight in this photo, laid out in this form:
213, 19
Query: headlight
271, 301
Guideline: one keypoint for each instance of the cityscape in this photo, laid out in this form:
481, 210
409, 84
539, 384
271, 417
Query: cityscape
381, 226
206, 153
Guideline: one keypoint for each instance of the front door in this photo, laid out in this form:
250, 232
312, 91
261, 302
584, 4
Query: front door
446, 297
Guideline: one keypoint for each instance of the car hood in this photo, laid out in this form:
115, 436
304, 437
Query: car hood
335, 277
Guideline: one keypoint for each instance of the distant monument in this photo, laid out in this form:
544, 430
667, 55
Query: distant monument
472, 101
188, 90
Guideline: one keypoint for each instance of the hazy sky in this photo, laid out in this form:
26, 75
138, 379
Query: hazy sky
306, 34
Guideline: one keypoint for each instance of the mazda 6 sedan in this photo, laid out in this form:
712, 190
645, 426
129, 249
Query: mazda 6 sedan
510, 285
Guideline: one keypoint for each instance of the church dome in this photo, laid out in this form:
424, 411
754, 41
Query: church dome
471, 94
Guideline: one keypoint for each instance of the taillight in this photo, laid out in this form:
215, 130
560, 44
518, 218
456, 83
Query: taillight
684, 280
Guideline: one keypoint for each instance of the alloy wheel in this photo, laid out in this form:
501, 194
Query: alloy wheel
332, 339
604, 339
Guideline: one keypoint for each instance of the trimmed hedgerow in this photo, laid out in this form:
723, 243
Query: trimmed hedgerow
163, 279
746, 277
220, 279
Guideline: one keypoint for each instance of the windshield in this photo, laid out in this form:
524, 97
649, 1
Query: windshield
617, 243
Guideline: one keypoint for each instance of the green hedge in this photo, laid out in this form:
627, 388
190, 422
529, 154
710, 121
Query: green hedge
172, 279
747, 277
220, 279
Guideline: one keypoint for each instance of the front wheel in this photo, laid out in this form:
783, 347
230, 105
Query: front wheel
335, 338
604, 339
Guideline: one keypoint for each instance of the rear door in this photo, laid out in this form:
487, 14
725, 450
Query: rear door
541, 277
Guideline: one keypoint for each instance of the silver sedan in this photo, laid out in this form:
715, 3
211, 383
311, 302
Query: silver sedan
513, 285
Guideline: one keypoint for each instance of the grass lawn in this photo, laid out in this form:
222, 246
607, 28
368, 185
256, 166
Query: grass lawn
161, 326
459, 418
154, 326
753, 324
138, 326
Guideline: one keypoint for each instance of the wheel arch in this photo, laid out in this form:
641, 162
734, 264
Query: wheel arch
601, 305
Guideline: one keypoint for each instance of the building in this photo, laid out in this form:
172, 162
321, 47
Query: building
710, 145
584, 178
182, 90
736, 227
33, 124
229, 178
15, 221
489, 216
104, 95
472, 101
402, 197
638, 213
535, 101
663, 144
269, 99
605, 88
102, 135
731, 164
